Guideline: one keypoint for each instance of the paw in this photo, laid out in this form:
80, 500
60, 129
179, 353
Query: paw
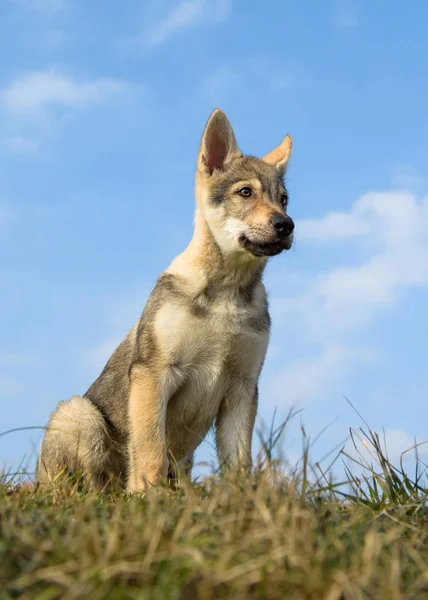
141, 484
135, 490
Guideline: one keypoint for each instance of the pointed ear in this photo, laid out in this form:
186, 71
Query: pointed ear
218, 145
279, 157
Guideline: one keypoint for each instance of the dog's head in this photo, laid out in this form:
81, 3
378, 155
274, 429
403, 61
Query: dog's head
243, 199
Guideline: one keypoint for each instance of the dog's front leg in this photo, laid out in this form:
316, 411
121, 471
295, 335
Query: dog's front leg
235, 425
147, 443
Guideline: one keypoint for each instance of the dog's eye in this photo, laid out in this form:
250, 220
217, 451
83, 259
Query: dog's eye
284, 199
245, 192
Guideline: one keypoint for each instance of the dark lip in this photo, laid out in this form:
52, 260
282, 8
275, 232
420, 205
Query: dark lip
263, 248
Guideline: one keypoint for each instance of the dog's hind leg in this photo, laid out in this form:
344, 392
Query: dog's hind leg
77, 443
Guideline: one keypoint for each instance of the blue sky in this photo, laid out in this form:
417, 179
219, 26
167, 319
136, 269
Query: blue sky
101, 110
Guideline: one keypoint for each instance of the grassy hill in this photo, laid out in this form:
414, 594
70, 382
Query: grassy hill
267, 536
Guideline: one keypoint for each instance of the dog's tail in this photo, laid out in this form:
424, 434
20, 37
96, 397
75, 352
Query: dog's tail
76, 443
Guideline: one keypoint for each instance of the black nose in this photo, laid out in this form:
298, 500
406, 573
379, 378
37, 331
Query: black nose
283, 225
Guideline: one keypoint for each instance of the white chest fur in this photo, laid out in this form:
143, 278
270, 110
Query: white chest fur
202, 352
198, 341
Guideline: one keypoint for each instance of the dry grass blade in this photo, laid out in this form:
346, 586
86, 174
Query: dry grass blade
295, 533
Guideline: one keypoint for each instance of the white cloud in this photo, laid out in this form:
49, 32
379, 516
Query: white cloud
33, 105
390, 230
311, 377
46, 89
333, 226
183, 15
377, 213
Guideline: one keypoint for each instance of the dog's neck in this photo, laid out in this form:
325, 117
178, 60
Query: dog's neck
203, 263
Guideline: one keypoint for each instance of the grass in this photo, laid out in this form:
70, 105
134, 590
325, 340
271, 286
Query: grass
279, 534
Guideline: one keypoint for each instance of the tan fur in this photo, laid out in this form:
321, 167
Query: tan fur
280, 156
147, 411
78, 427
195, 357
